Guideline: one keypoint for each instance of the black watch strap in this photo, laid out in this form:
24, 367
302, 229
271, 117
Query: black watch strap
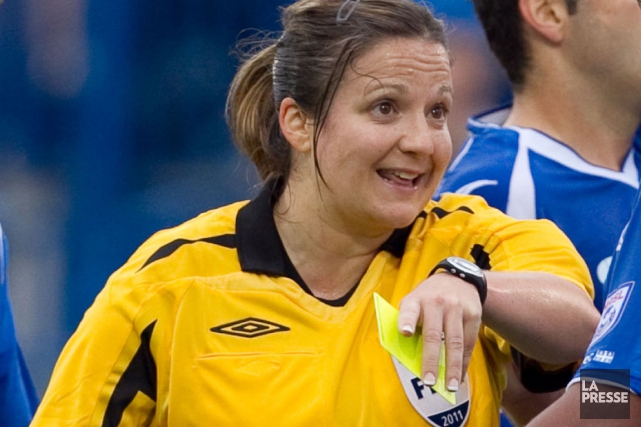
466, 270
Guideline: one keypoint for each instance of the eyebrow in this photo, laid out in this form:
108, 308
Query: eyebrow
446, 89
401, 88
382, 87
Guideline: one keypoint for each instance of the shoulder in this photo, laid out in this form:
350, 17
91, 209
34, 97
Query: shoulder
450, 202
487, 143
178, 252
466, 212
475, 212
469, 217
485, 163
466, 226
487, 135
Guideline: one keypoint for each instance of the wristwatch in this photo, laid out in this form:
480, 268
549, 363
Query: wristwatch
466, 270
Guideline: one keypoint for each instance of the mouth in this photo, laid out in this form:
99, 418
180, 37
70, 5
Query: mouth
401, 178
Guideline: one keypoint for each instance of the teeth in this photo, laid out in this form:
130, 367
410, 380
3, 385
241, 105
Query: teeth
404, 175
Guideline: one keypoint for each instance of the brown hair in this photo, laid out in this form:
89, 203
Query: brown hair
503, 25
307, 63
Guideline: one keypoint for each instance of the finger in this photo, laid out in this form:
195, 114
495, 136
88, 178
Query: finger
432, 339
470, 336
409, 315
454, 348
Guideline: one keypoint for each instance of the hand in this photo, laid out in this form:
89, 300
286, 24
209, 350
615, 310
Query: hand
445, 306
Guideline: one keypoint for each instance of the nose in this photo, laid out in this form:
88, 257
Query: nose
417, 137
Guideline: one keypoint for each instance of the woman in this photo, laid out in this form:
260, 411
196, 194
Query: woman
261, 313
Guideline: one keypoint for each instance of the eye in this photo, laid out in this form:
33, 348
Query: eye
384, 108
438, 112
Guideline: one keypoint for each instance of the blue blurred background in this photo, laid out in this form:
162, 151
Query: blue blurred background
112, 127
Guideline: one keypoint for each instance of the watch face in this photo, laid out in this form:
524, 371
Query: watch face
465, 265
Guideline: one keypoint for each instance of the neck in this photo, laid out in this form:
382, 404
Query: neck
318, 245
599, 127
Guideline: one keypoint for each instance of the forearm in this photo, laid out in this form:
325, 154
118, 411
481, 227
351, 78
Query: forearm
521, 405
543, 316
522, 410
565, 412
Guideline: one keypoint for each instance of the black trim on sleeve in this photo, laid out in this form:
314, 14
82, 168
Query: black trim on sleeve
536, 379
140, 376
440, 212
226, 240
481, 258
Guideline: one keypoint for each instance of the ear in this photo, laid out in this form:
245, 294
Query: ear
295, 126
546, 17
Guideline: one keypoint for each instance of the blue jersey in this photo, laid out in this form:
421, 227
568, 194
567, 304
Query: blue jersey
18, 399
528, 174
617, 341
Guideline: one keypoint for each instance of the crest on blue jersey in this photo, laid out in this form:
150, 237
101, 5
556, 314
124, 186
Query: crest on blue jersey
612, 310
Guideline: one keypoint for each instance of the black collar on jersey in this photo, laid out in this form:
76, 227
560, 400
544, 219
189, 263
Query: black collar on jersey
260, 249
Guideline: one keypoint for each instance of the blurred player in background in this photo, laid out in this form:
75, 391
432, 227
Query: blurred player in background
566, 149
18, 398
616, 343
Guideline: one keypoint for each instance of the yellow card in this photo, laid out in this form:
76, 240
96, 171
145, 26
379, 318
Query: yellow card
407, 350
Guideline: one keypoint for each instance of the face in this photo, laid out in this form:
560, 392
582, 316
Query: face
605, 41
385, 144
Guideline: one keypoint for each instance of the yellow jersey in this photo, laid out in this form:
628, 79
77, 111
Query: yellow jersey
208, 324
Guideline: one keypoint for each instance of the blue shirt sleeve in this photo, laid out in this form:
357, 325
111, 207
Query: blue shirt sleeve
617, 341
18, 397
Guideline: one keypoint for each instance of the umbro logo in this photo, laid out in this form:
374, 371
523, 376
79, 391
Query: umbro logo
250, 327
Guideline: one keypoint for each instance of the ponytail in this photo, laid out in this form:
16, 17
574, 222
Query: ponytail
252, 116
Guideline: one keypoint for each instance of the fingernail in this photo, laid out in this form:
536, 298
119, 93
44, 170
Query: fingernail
429, 379
453, 385
409, 329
